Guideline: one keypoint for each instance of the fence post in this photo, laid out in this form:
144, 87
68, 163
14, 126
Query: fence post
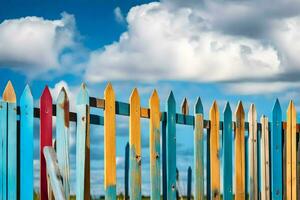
155, 146
62, 139
252, 119
227, 153
135, 146
126, 170
109, 143
45, 138
9, 97
26, 145
276, 152
239, 135
83, 145
291, 189
198, 151
189, 184
171, 147
264, 152
214, 151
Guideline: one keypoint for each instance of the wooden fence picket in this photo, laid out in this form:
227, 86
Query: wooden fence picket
135, 146
239, 135
126, 176
189, 184
26, 145
198, 152
45, 138
154, 146
264, 152
276, 152
110, 144
62, 139
291, 189
252, 119
214, 151
9, 97
171, 147
227, 153
83, 145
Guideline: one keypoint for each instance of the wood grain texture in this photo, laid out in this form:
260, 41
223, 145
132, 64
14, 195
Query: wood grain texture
239, 143
264, 152
291, 188
276, 153
171, 147
26, 145
62, 139
227, 154
83, 145
214, 151
252, 119
135, 146
185, 107
155, 146
109, 143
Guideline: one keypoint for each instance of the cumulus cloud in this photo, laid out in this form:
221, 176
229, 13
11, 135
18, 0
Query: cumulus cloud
33, 45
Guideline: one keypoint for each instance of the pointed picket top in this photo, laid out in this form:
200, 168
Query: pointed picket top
291, 105
9, 94
83, 96
240, 109
62, 96
185, 107
198, 106
252, 114
134, 97
26, 95
46, 93
171, 98
154, 99
214, 108
277, 107
109, 91
227, 109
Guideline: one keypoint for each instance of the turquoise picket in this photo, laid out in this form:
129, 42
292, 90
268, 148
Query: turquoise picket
62, 139
26, 145
276, 152
198, 151
82, 145
3, 151
227, 153
171, 147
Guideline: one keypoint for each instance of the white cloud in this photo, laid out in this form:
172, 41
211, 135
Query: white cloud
119, 15
168, 44
33, 45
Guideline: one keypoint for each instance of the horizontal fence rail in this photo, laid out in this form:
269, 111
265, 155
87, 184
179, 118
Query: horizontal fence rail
259, 159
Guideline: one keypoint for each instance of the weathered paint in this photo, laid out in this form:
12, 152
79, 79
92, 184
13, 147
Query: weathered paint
83, 145
239, 140
54, 175
276, 152
126, 179
291, 189
9, 97
199, 152
164, 158
3, 150
227, 153
62, 139
154, 146
171, 147
45, 137
208, 178
109, 144
264, 152
214, 151
252, 119
189, 184
26, 145
185, 107
135, 146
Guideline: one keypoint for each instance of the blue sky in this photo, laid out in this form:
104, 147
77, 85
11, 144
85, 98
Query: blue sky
224, 50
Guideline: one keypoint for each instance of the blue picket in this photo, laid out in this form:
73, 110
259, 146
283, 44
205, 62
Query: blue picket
171, 147
62, 139
82, 145
3, 150
276, 152
227, 153
26, 145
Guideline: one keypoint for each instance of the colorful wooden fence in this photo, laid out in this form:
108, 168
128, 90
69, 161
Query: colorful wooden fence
258, 159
